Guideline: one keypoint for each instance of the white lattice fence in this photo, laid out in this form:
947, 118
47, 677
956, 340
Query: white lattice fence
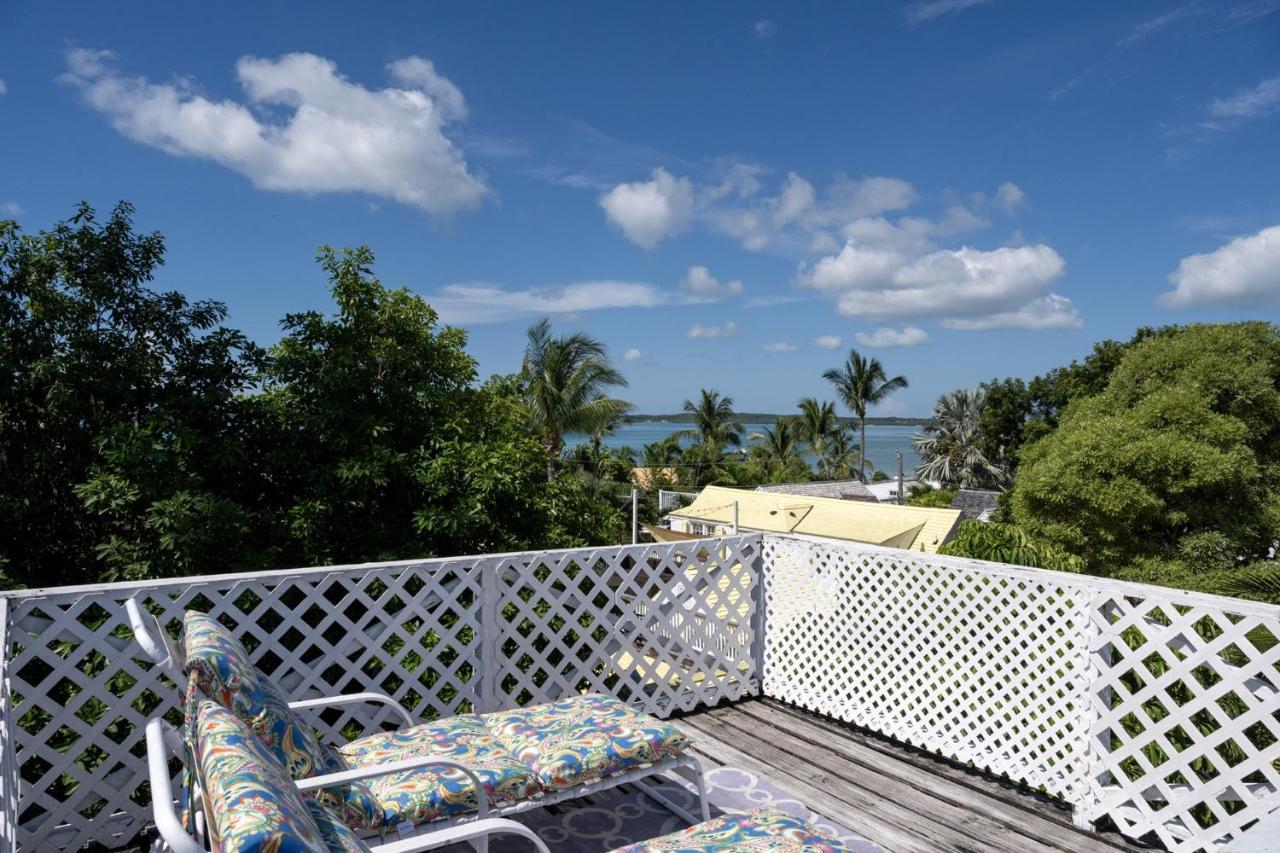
440, 636
1151, 708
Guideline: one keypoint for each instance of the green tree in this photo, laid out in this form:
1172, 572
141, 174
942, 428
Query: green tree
949, 447
714, 425
841, 456
816, 425
122, 422
780, 450
1005, 543
861, 382
1002, 422
567, 381
1183, 441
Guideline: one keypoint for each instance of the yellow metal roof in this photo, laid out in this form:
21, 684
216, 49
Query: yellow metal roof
914, 527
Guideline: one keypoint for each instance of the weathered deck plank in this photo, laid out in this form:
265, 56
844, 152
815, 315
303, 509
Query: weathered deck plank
902, 801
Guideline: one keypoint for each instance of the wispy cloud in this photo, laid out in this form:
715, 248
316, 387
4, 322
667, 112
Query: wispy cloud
828, 341
1151, 26
698, 330
10, 208
632, 354
780, 346
1250, 102
764, 29
4, 87
919, 13
489, 303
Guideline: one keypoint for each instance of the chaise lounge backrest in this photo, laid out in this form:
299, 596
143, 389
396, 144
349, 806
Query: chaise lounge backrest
218, 667
253, 805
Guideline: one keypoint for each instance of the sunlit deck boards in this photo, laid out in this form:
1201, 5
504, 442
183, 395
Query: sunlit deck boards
903, 800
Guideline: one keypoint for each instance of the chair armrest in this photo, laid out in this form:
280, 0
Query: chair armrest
351, 699
463, 832
374, 770
162, 740
154, 642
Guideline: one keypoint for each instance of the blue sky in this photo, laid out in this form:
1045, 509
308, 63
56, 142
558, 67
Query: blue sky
729, 195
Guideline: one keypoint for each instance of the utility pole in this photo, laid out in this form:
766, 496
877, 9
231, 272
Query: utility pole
901, 497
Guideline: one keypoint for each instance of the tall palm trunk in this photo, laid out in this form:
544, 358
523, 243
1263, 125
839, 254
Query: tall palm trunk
862, 450
551, 444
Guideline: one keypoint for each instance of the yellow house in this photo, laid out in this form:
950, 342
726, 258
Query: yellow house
912, 527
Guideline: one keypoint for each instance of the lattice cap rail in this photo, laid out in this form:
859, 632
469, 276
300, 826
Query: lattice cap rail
665, 627
1153, 709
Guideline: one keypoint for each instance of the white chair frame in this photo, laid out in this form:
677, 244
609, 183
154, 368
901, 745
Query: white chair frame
164, 653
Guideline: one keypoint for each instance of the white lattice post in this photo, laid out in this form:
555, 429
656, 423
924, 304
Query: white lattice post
759, 622
9, 780
490, 635
1093, 659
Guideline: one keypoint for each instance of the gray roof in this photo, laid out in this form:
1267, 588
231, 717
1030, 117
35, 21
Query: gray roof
975, 503
847, 490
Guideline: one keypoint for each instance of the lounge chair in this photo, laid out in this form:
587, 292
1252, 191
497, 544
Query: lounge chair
763, 829
252, 805
520, 759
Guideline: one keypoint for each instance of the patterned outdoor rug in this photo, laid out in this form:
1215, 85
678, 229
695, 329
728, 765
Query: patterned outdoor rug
625, 815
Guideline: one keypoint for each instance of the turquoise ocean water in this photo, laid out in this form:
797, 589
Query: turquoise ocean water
882, 441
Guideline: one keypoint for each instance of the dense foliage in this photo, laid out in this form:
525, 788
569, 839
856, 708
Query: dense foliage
141, 437
1177, 458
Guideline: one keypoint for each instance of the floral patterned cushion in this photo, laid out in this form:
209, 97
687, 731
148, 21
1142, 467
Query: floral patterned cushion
582, 739
253, 804
770, 830
422, 795
218, 667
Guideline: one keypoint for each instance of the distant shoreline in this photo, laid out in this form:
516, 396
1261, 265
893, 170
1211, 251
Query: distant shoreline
759, 418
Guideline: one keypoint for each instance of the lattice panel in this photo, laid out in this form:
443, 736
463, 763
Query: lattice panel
666, 627
1185, 741
431, 634
977, 665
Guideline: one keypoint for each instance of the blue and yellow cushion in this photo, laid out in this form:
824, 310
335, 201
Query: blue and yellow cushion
584, 738
769, 830
253, 804
422, 795
218, 666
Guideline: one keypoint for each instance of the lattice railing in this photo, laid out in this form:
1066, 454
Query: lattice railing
1153, 709
664, 626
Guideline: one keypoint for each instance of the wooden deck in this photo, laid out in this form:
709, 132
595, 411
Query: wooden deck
904, 800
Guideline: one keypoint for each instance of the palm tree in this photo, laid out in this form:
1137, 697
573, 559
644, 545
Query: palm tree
779, 446
948, 445
861, 382
816, 424
567, 380
841, 457
714, 425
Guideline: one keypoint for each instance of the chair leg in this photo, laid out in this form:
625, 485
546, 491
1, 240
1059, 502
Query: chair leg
691, 769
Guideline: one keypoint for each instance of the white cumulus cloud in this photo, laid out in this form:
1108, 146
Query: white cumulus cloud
701, 283
1047, 312
907, 336
650, 211
780, 346
698, 330
828, 341
487, 303
632, 354
1245, 271
303, 128
965, 284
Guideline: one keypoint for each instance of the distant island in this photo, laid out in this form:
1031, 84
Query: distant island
764, 418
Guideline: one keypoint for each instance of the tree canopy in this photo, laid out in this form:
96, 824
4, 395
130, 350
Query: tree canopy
141, 437
1183, 443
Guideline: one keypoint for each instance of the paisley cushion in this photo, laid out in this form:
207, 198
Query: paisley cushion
422, 795
254, 806
583, 738
770, 830
218, 666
